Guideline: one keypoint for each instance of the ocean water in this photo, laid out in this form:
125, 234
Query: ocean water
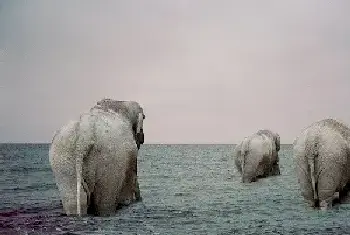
186, 189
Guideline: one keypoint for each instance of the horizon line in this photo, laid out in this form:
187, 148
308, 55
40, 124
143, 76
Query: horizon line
155, 143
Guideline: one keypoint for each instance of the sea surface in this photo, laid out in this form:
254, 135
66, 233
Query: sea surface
186, 189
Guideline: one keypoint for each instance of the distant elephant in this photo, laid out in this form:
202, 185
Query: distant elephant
322, 157
96, 158
257, 156
238, 157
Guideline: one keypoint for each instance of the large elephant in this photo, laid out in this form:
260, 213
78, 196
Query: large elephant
257, 156
94, 159
322, 158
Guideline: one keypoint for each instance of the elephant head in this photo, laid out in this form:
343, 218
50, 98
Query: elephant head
272, 135
132, 111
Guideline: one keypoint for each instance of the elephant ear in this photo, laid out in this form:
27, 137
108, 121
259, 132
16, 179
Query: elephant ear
140, 137
277, 142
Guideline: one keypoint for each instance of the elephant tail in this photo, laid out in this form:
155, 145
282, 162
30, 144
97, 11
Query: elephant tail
79, 173
84, 144
311, 164
312, 156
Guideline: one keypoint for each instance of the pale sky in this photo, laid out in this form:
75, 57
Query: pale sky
204, 71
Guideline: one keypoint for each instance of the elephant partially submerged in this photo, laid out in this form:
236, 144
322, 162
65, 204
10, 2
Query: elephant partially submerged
94, 159
322, 157
257, 156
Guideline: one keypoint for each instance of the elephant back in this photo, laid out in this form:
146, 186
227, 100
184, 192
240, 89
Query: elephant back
127, 109
336, 125
274, 136
106, 127
260, 145
114, 105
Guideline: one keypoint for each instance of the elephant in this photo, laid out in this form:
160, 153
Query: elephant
238, 157
322, 162
94, 158
257, 156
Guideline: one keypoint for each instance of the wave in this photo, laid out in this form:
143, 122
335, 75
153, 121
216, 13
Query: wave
27, 169
31, 188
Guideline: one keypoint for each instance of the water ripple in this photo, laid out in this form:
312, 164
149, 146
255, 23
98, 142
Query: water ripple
186, 189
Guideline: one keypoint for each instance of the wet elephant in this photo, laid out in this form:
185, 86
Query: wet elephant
322, 160
257, 156
94, 159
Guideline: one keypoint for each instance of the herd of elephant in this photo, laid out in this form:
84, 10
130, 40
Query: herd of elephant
94, 159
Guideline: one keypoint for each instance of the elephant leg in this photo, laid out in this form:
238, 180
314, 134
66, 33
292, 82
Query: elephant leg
261, 170
344, 196
264, 168
109, 183
275, 169
138, 193
312, 203
251, 179
104, 198
130, 187
336, 196
129, 195
68, 191
304, 180
326, 204
326, 188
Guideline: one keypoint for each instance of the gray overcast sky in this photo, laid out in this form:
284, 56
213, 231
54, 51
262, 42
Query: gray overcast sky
204, 71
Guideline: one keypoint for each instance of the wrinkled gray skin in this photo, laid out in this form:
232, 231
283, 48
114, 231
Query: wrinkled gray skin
322, 156
94, 159
257, 156
277, 140
130, 110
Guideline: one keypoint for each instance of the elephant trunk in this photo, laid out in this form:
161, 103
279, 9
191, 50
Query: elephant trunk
140, 137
